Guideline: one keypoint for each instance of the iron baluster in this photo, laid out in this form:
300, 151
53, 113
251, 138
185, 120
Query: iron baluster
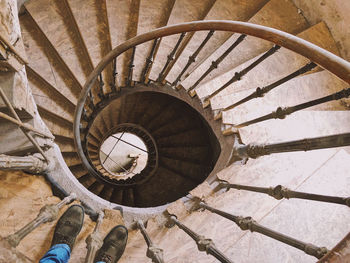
279, 192
114, 76
153, 252
91, 100
217, 62
332, 141
260, 92
281, 113
101, 84
203, 244
171, 57
238, 75
48, 213
149, 61
193, 57
84, 115
247, 223
94, 240
131, 67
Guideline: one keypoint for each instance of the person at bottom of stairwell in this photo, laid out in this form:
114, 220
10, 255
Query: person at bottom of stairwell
68, 228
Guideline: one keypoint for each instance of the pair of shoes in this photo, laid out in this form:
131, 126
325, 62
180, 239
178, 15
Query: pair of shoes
69, 226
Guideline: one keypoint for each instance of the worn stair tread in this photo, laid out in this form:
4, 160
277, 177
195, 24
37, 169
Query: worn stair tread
117, 196
194, 177
95, 32
193, 170
296, 91
236, 10
56, 126
177, 127
87, 180
192, 154
182, 11
65, 144
46, 61
96, 187
106, 192
286, 18
281, 64
71, 159
170, 182
191, 138
123, 19
150, 17
46, 100
58, 28
304, 124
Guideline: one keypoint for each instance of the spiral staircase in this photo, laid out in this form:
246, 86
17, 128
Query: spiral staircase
203, 97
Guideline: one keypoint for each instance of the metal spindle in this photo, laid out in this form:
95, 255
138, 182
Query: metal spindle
47, 213
94, 240
153, 252
101, 84
114, 76
216, 63
247, 223
91, 100
203, 244
238, 75
131, 68
171, 57
193, 57
149, 61
281, 113
260, 92
332, 141
279, 192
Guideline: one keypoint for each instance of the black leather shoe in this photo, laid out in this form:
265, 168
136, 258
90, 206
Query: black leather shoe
113, 245
69, 226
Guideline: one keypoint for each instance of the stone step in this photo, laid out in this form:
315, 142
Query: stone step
299, 90
303, 124
236, 10
95, 32
54, 20
152, 15
182, 11
281, 64
46, 61
123, 19
285, 17
310, 218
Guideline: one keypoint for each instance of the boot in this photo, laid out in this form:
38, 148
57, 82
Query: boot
113, 245
69, 226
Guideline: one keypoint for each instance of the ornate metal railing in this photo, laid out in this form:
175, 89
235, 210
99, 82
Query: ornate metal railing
89, 106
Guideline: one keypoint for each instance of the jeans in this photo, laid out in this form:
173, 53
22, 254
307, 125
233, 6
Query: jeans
59, 253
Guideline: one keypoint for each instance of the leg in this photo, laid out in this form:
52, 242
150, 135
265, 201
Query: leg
113, 245
66, 231
59, 253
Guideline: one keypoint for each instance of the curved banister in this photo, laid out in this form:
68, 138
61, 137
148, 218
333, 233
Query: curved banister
322, 57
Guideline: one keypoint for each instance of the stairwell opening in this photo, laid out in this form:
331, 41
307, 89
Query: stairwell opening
150, 149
